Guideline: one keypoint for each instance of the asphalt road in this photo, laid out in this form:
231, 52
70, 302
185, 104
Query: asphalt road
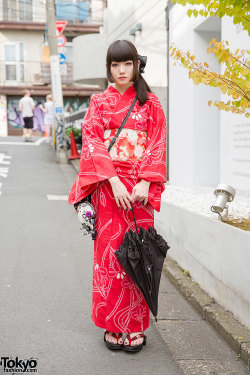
46, 276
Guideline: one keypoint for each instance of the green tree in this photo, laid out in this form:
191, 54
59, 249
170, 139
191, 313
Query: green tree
235, 81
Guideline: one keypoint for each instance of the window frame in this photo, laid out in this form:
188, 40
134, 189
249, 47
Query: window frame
18, 62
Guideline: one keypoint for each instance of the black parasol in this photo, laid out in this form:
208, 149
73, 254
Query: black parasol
142, 254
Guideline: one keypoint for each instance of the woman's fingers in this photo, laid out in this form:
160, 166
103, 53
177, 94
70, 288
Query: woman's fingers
117, 202
122, 197
127, 201
124, 202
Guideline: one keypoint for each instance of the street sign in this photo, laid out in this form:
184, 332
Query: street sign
59, 110
60, 26
62, 58
61, 40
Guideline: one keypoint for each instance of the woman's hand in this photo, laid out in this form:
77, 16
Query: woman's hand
122, 196
140, 192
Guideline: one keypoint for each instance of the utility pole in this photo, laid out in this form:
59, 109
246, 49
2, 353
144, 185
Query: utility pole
61, 150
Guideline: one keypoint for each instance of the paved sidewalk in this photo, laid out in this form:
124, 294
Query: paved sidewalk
192, 341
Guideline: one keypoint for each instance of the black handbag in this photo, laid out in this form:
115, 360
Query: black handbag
89, 225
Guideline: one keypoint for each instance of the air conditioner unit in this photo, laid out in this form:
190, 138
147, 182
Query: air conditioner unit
37, 79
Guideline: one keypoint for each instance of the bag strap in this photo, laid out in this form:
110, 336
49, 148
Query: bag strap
123, 123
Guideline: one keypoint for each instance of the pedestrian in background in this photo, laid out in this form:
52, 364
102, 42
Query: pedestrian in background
27, 106
133, 172
48, 119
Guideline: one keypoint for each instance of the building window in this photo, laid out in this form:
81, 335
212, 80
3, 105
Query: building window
13, 62
18, 10
75, 11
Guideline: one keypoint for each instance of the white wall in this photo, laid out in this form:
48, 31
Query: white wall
235, 129
89, 54
216, 255
33, 42
193, 126
206, 130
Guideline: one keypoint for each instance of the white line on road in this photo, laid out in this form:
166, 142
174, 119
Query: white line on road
41, 140
36, 143
2, 157
57, 197
4, 172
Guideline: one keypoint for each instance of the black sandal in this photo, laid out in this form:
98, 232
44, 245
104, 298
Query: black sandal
111, 345
135, 348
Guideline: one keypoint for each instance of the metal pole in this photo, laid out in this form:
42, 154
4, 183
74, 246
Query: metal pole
167, 9
61, 150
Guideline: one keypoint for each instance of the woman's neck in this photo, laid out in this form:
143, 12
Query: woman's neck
122, 89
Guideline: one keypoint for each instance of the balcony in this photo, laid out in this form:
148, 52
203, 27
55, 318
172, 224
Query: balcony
32, 73
30, 15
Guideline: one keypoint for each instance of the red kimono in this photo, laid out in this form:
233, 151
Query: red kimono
138, 153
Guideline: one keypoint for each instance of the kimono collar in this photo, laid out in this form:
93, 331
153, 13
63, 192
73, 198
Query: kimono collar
130, 91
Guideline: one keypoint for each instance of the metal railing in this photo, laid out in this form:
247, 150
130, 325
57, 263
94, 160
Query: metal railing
73, 123
28, 73
76, 12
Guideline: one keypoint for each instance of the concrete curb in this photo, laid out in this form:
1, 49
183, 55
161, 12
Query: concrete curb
235, 334
75, 163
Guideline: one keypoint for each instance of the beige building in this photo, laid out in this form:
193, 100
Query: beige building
24, 52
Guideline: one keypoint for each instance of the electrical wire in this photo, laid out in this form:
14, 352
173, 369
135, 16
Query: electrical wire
128, 27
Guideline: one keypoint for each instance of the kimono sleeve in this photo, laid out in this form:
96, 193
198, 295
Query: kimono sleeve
153, 166
95, 162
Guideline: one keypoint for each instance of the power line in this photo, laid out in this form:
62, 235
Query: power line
138, 17
131, 14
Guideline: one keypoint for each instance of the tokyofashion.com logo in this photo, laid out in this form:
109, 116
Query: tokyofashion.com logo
18, 365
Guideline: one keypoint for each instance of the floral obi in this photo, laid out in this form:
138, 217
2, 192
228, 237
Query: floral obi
129, 145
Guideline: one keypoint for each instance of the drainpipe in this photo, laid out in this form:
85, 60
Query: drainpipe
167, 9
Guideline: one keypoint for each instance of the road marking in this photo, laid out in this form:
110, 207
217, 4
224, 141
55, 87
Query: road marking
57, 197
2, 157
41, 140
36, 143
4, 170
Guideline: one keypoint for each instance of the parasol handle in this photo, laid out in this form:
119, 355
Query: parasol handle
134, 219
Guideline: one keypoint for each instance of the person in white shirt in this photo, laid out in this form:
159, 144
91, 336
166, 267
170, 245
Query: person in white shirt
26, 106
48, 109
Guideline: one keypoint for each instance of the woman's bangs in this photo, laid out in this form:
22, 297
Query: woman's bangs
121, 52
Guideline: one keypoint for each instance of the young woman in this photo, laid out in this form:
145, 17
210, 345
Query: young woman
133, 172
48, 118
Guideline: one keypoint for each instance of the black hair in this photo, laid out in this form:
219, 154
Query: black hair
124, 50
